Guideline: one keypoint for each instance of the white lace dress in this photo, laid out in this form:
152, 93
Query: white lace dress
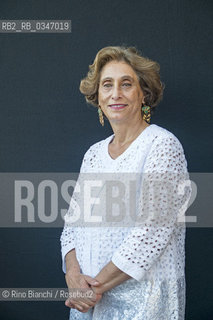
152, 251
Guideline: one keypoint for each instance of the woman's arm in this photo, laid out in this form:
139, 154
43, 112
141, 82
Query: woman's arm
79, 283
72, 265
109, 277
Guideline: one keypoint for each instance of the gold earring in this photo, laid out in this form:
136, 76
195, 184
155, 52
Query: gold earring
146, 113
101, 117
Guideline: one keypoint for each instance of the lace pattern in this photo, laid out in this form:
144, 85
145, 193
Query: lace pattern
152, 253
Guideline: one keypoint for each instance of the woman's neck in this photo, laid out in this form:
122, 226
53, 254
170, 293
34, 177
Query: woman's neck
126, 134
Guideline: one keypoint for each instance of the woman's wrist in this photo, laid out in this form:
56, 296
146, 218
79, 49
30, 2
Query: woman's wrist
72, 265
72, 271
109, 277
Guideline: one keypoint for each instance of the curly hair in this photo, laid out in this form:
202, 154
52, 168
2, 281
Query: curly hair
146, 70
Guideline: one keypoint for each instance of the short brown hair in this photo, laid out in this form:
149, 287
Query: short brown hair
147, 72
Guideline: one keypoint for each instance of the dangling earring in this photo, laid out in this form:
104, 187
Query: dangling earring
101, 118
146, 113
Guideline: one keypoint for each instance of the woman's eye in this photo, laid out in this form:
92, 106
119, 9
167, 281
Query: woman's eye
109, 85
127, 84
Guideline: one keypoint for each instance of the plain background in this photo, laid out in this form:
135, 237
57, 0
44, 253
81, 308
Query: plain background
46, 126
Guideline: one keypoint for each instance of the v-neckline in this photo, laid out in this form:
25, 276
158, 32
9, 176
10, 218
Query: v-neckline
110, 138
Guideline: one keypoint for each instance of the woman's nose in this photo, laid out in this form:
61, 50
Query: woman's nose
116, 93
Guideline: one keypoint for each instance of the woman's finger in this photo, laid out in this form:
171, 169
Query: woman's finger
69, 304
81, 306
91, 281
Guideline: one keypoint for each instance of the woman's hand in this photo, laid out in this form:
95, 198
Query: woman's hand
81, 295
109, 277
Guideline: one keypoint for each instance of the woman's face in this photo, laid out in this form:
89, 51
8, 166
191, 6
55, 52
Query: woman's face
120, 96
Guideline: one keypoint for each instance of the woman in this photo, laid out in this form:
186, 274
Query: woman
135, 272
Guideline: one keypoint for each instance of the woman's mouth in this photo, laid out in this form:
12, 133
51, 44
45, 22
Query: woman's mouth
117, 106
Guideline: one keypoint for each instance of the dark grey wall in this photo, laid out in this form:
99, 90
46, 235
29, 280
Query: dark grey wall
46, 125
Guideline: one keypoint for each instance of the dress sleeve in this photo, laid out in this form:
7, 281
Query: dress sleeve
161, 202
67, 238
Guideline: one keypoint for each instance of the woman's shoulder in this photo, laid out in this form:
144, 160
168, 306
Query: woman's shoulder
94, 155
97, 147
163, 135
165, 147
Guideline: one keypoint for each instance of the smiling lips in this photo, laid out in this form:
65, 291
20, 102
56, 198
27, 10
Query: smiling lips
117, 106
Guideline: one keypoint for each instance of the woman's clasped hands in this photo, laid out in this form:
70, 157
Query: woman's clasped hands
81, 295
